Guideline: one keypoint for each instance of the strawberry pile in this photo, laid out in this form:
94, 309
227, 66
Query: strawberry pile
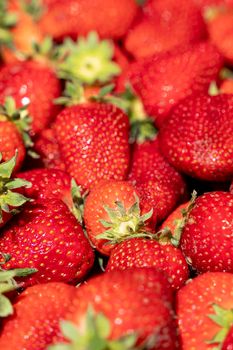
116, 174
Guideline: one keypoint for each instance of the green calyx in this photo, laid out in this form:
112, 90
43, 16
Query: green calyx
89, 60
213, 89
9, 198
7, 284
33, 7
73, 94
180, 223
224, 319
78, 201
95, 333
7, 21
124, 224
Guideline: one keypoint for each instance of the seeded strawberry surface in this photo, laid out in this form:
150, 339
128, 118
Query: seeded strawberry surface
47, 236
202, 145
93, 140
194, 305
136, 252
134, 300
207, 237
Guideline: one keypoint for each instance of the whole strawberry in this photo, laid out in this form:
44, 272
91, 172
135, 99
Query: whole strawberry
204, 310
202, 145
156, 180
35, 84
93, 142
151, 34
79, 17
162, 81
141, 252
113, 211
47, 236
141, 311
37, 313
207, 236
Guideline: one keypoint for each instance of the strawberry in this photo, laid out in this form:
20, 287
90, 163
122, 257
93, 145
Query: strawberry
22, 34
142, 309
157, 181
162, 81
220, 30
202, 145
47, 236
37, 313
93, 141
152, 33
80, 17
47, 147
174, 218
231, 188
206, 238
141, 252
112, 212
47, 183
35, 84
204, 309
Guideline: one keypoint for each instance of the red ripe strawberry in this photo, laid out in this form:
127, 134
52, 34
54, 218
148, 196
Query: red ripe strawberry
34, 83
47, 147
37, 313
48, 183
141, 252
152, 33
10, 141
93, 141
78, 17
157, 181
162, 81
174, 218
202, 144
46, 236
204, 309
112, 210
207, 236
220, 30
142, 306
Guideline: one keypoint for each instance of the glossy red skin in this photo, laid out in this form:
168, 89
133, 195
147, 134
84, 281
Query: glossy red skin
47, 236
228, 342
108, 18
172, 220
34, 83
203, 4
194, 305
231, 188
48, 183
37, 314
140, 252
134, 300
220, 30
202, 144
48, 149
93, 141
164, 80
106, 193
156, 180
207, 237
10, 141
151, 34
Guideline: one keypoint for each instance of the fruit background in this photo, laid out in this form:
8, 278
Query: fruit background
116, 174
